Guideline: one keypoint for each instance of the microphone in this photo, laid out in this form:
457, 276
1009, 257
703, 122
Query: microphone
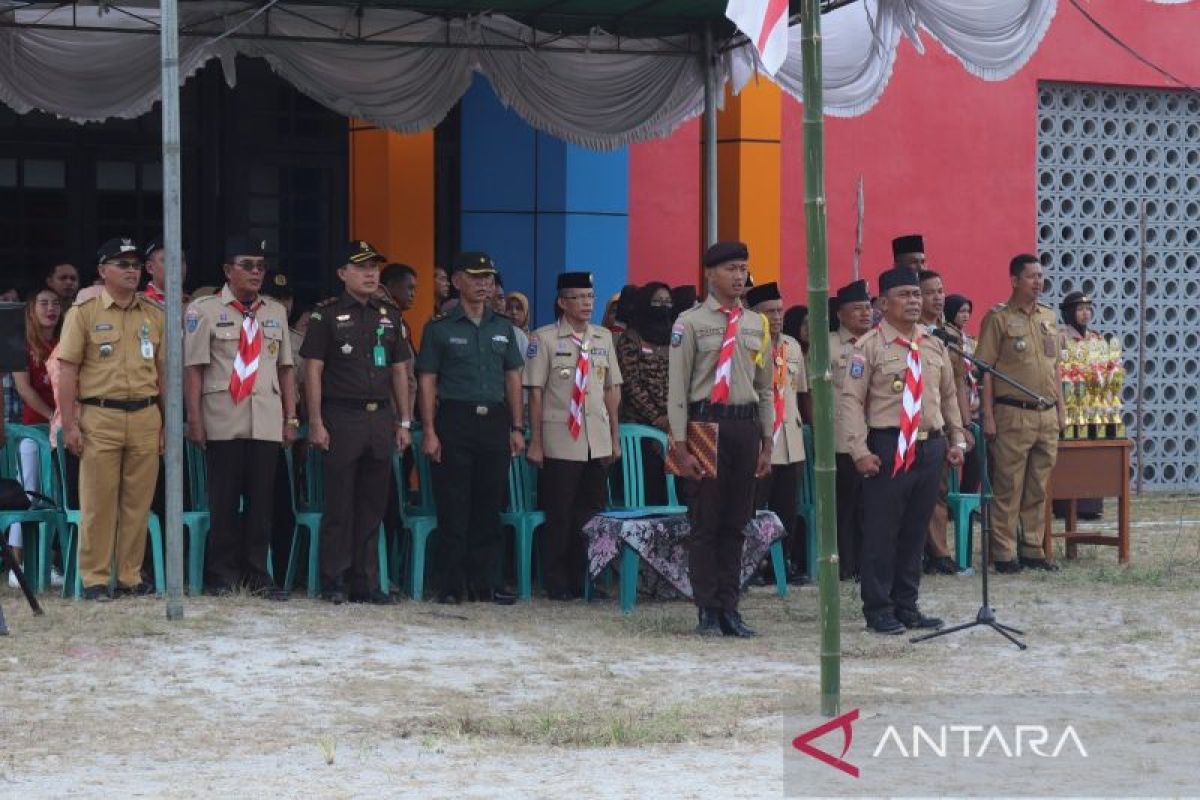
946, 337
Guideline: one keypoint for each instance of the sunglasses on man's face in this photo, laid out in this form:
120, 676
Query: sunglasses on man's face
124, 264
251, 265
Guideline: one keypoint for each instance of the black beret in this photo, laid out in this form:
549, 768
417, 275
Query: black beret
913, 243
763, 294
721, 252
474, 263
898, 276
242, 245
854, 292
358, 252
575, 280
114, 248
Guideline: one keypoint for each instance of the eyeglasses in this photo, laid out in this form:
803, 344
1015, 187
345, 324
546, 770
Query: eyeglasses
124, 264
580, 297
249, 265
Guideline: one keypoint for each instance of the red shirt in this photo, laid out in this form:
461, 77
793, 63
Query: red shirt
39, 379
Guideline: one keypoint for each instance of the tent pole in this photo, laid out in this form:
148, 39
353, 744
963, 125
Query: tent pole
709, 138
172, 241
822, 389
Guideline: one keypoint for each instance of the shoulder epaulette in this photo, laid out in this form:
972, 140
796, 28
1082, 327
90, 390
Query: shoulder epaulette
867, 336
84, 301
438, 317
207, 298
999, 306
153, 303
328, 301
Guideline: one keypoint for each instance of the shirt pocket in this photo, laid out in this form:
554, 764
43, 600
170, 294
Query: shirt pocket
225, 338
272, 341
103, 345
752, 341
708, 344
499, 347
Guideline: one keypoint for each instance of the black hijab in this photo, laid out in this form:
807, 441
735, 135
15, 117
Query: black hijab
653, 323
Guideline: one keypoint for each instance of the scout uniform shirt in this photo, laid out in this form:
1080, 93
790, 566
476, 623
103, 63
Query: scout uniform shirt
212, 331
873, 388
695, 347
842, 347
552, 357
358, 343
1025, 346
788, 364
118, 350
470, 359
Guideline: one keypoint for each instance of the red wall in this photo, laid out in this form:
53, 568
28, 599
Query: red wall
943, 153
664, 208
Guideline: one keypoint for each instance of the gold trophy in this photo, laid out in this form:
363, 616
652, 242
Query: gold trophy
1116, 382
1066, 377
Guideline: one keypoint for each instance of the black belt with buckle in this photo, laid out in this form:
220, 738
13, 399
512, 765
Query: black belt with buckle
922, 436
358, 405
704, 410
478, 409
1028, 405
120, 405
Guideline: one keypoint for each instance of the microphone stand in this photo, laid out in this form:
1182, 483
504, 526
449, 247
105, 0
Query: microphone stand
986, 616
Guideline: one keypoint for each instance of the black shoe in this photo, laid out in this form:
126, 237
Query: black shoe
1039, 563
1008, 567
732, 625
141, 590
98, 594
449, 599
945, 566
915, 619
335, 596
375, 597
886, 624
710, 623
502, 597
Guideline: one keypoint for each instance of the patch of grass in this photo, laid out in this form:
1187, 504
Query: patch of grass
328, 749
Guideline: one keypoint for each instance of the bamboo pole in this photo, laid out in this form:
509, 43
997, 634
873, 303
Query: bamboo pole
861, 212
172, 242
822, 389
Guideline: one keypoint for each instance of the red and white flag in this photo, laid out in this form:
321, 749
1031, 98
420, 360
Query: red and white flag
765, 23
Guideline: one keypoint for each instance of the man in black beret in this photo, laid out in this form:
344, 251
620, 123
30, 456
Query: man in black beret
897, 401
909, 252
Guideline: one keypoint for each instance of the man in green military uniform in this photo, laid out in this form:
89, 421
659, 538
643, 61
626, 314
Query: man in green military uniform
472, 421
1020, 338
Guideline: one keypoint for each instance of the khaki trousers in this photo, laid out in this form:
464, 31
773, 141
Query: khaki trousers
1023, 455
117, 474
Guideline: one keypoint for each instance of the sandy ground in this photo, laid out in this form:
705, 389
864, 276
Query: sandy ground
540, 700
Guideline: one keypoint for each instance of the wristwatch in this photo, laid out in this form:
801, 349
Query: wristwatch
962, 446
293, 422
517, 428
406, 424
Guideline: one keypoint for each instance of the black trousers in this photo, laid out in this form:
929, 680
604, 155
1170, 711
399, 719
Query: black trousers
719, 509
849, 516
572, 493
896, 513
470, 486
356, 471
283, 520
241, 472
777, 491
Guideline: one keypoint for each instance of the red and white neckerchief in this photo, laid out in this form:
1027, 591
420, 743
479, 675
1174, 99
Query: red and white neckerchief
245, 365
910, 406
721, 384
780, 382
154, 294
579, 390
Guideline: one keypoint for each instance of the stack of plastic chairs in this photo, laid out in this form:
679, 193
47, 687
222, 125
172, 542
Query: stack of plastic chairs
51, 523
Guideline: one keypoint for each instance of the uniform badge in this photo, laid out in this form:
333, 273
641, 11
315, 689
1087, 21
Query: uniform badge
500, 337
343, 318
105, 350
270, 323
347, 349
564, 372
191, 320
1019, 345
676, 335
898, 385
104, 326
532, 350
315, 315
273, 347
858, 366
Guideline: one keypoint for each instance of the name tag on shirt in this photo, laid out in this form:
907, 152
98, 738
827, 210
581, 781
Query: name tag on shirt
500, 337
457, 340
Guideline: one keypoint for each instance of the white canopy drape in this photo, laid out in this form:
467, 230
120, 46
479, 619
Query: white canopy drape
405, 71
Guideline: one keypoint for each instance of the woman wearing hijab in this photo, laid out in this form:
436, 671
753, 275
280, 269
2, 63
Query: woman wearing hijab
1077, 314
643, 353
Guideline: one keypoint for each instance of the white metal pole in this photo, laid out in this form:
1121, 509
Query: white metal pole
173, 244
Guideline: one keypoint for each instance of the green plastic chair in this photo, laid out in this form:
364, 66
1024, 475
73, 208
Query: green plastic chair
308, 505
50, 523
196, 521
419, 520
72, 580
806, 505
961, 506
524, 518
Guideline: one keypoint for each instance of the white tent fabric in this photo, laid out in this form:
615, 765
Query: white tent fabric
592, 90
